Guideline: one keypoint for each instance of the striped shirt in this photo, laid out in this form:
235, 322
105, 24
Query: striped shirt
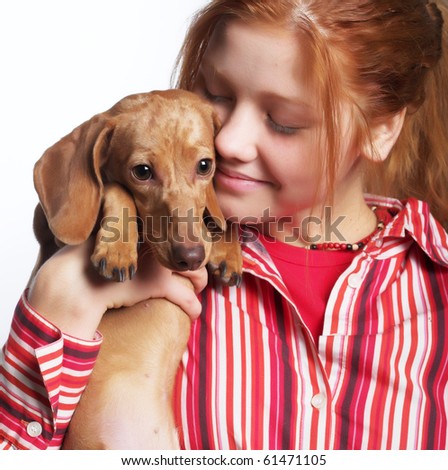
252, 376
43, 373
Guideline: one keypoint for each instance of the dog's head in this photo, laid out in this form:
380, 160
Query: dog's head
160, 147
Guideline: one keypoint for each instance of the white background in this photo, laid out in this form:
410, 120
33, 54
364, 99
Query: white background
62, 61
231, 459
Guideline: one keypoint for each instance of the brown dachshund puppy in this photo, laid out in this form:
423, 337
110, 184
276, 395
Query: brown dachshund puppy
140, 171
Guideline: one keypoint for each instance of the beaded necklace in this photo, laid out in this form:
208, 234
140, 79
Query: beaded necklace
348, 246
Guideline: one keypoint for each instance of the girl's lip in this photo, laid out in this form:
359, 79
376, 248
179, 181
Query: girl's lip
237, 181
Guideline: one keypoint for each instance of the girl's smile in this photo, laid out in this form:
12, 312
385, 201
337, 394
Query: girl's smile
237, 182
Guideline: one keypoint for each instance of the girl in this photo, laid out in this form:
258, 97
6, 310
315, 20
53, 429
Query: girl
337, 337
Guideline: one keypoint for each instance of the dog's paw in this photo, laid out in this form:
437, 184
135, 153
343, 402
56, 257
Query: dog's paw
115, 261
227, 276
226, 261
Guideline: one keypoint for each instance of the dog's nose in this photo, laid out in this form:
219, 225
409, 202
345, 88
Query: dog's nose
188, 258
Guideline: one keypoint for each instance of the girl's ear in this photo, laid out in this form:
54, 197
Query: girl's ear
384, 134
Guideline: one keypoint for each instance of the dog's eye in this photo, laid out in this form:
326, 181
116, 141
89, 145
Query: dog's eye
142, 172
205, 166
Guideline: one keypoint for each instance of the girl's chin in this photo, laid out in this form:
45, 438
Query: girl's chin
244, 211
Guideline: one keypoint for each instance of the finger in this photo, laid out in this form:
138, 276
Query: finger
199, 278
185, 298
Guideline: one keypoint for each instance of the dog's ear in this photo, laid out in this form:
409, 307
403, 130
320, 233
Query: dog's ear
68, 181
213, 210
216, 123
212, 207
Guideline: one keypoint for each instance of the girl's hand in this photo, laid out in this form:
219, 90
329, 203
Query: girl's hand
69, 293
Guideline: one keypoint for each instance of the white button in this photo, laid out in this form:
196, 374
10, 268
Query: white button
34, 429
318, 401
354, 281
379, 243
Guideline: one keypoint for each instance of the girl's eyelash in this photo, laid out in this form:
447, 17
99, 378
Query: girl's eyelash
207, 94
211, 97
281, 129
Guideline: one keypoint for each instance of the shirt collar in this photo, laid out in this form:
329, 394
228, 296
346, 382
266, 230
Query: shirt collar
412, 222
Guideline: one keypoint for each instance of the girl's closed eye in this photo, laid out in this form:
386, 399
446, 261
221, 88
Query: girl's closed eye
281, 128
214, 97
219, 97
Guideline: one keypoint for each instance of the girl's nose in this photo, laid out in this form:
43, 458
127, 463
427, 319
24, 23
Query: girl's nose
237, 138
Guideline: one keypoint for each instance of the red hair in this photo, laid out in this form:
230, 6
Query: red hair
380, 56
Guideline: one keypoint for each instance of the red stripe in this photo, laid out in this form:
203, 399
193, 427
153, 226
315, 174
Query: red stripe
229, 373
244, 363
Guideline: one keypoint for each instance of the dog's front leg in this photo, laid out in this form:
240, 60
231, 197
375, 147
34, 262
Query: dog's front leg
115, 254
225, 260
